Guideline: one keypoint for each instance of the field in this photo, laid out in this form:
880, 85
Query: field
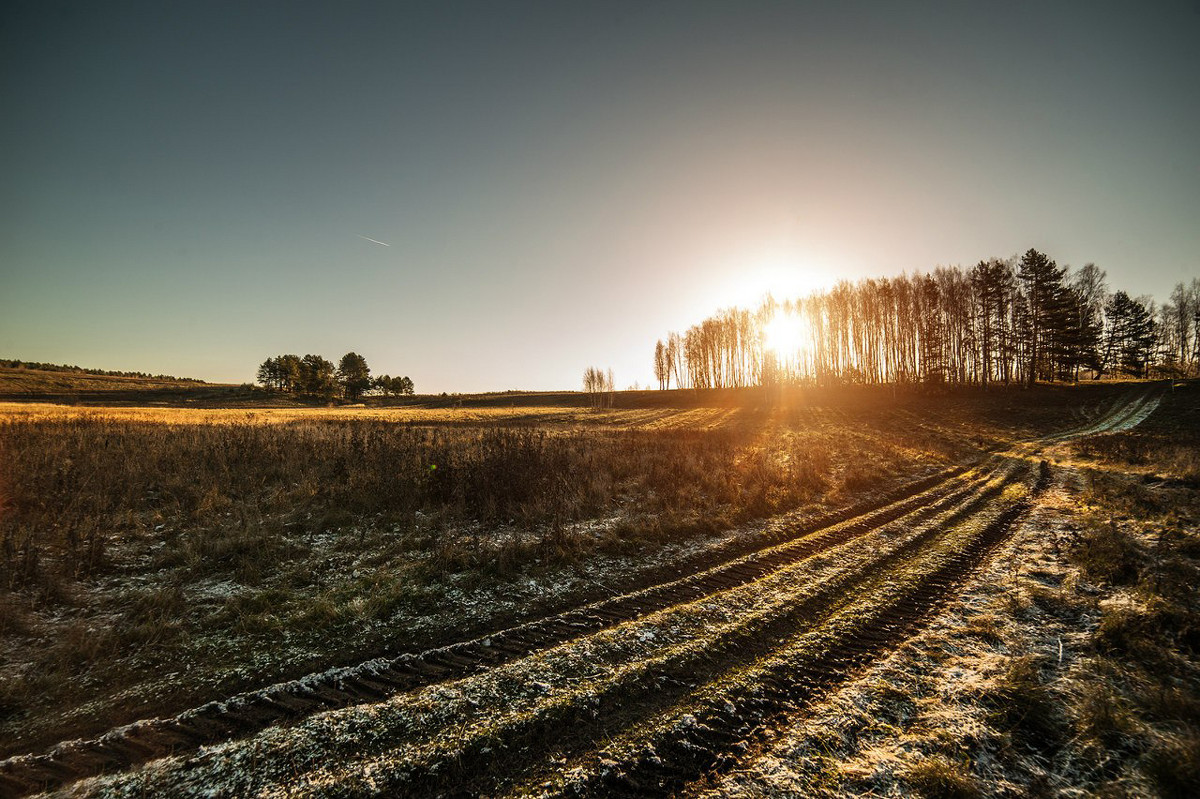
687, 592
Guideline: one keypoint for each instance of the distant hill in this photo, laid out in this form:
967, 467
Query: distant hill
10, 363
24, 379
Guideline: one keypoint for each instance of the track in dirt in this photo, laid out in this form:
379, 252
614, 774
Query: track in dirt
826, 617
668, 762
927, 510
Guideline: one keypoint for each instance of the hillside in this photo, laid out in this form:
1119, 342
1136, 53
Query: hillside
23, 384
27, 380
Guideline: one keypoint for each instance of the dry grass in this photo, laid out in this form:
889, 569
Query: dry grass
245, 546
1071, 667
1139, 715
1107, 554
1022, 705
87, 483
938, 777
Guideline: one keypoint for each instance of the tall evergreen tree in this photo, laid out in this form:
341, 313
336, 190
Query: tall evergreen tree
1042, 286
992, 283
1131, 334
353, 375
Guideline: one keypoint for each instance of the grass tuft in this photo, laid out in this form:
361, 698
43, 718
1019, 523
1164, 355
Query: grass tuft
1021, 704
937, 777
1106, 554
1173, 766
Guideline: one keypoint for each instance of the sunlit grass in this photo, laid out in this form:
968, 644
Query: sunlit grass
533, 415
258, 543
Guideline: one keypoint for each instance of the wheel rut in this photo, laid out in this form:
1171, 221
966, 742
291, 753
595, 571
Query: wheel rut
718, 727
372, 680
901, 577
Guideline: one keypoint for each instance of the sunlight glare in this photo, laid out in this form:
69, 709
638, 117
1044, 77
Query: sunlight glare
785, 334
783, 275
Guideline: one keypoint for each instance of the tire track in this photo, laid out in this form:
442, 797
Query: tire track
718, 727
672, 760
376, 679
807, 668
499, 722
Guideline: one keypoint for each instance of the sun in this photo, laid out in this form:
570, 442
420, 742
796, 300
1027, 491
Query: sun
785, 334
744, 281
783, 275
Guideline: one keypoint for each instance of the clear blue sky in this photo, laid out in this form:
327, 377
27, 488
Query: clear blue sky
186, 185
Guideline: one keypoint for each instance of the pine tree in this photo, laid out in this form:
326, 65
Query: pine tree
1042, 284
1131, 334
317, 377
353, 375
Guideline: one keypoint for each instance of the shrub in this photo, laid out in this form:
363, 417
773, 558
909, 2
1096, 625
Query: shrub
1105, 554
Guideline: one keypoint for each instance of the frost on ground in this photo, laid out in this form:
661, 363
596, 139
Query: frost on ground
1004, 694
260, 546
920, 709
369, 747
424, 609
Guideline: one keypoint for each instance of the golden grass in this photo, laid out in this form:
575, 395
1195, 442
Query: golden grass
658, 418
252, 544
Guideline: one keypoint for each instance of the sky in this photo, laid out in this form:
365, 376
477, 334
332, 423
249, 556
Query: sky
192, 187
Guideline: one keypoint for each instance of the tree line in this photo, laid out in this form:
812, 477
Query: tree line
57, 367
1003, 321
314, 376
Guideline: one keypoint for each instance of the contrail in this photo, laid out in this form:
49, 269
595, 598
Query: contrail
384, 243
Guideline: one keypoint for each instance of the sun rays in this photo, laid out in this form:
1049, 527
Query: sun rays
786, 334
